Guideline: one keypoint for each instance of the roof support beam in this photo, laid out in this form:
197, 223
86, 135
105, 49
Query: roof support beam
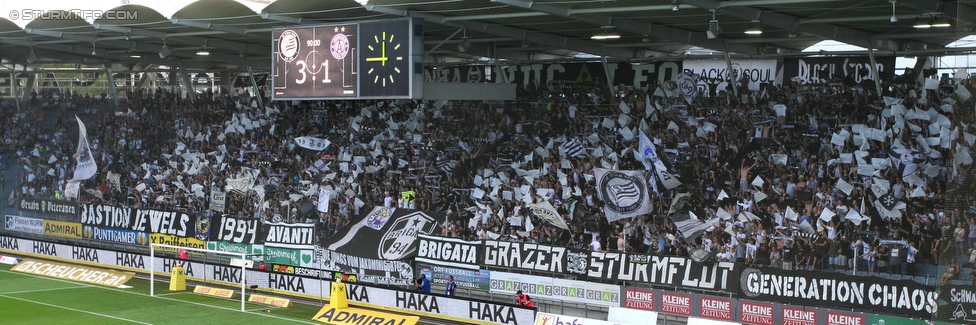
772, 18
512, 33
218, 27
637, 27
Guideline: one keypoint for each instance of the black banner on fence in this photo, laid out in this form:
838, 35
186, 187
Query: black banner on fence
234, 230
385, 234
664, 270
661, 270
45, 206
902, 297
524, 256
290, 235
819, 70
551, 75
173, 223
960, 307
449, 252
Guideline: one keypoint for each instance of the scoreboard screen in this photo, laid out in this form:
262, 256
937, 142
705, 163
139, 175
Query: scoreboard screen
373, 59
315, 62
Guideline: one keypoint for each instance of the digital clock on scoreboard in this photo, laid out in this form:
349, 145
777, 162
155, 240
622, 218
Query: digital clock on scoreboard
315, 62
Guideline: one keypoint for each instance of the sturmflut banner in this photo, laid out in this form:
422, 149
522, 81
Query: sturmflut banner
829, 290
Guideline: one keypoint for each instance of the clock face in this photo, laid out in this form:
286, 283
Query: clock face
385, 57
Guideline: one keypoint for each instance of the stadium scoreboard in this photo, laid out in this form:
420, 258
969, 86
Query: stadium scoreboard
361, 60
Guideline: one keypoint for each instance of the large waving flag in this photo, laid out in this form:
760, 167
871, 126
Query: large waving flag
85, 169
647, 154
624, 193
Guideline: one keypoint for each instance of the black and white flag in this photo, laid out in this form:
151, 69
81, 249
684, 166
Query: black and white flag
574, 148
85, 168
688, 226
312, 143
623, 192
446, 166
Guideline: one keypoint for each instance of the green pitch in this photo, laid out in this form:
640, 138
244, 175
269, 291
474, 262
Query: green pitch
29, 299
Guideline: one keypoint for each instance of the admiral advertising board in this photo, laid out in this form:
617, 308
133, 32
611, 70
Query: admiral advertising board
469, 310
62, 229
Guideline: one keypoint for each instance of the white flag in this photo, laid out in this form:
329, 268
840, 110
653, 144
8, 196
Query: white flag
647, 153
85, 169
324, 196
312, 143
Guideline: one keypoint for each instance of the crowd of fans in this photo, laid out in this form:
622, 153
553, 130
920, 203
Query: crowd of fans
482, 162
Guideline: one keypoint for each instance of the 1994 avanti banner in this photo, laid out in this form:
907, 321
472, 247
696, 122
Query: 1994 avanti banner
526, 257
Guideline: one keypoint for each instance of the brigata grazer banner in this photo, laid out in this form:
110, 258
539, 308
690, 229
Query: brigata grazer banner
900, 297
527, 257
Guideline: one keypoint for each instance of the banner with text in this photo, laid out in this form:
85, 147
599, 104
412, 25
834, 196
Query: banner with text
173, 223
822, 289
289, 235
627, 74
465, 278
960, 307
45, 206
27, 225
556, 289
824, 69
713, 75
236, 230
112, 235
62, 229
449, 252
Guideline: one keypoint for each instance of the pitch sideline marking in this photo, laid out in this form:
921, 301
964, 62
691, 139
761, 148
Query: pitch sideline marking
40, 290
75, 310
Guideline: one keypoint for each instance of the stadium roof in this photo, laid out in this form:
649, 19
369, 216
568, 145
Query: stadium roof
236, 34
